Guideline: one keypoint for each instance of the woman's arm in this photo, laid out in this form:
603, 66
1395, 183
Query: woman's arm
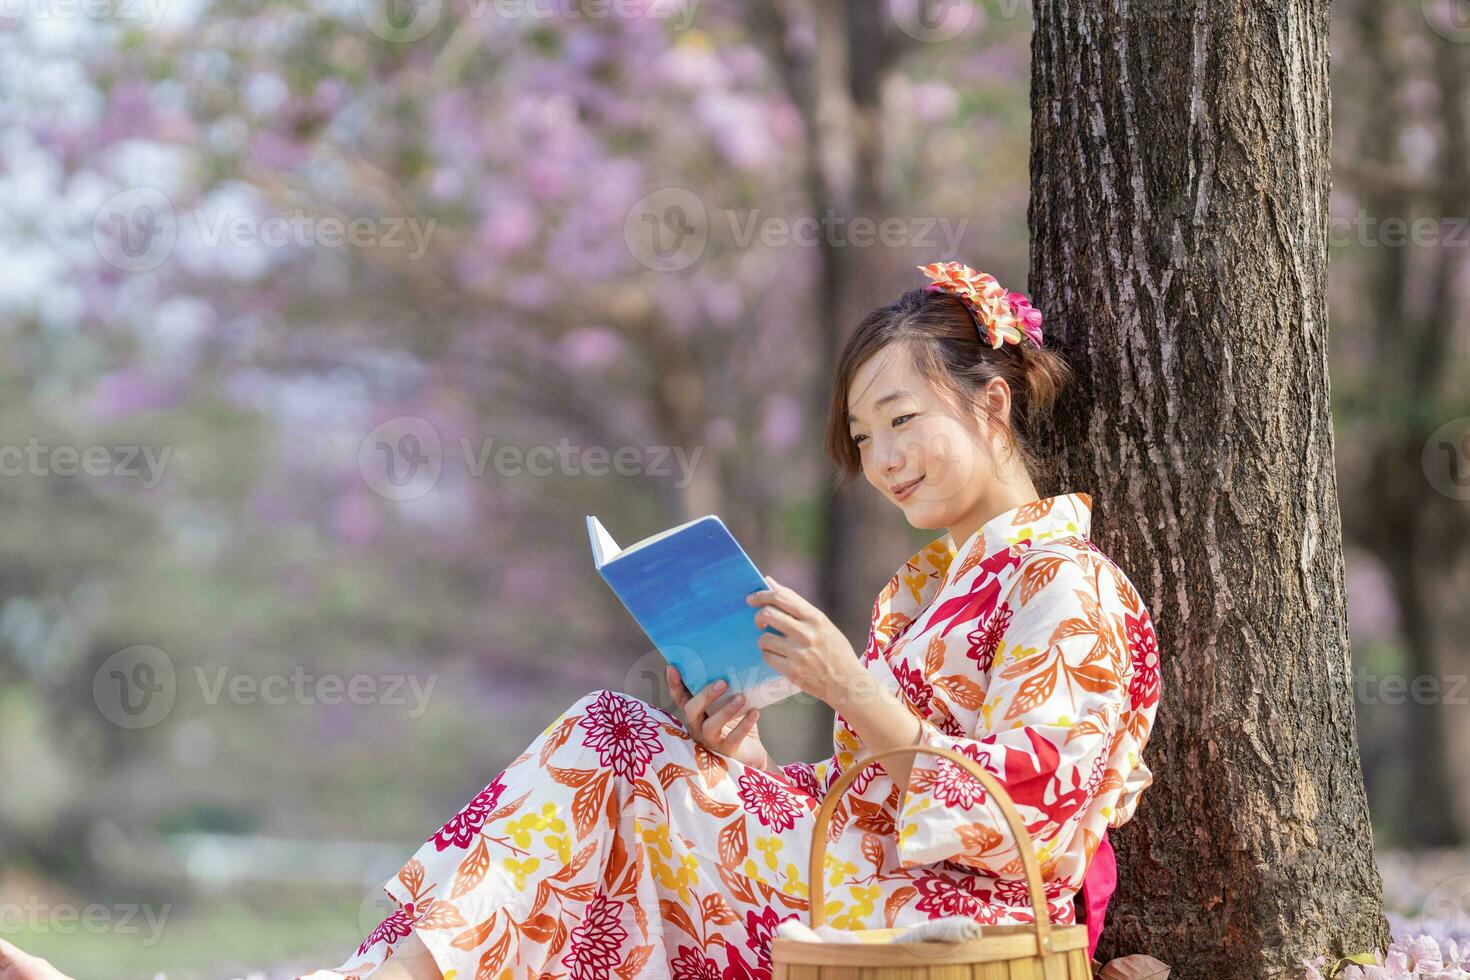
881, 721
815, 655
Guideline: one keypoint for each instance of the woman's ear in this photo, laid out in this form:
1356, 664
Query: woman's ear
992, 408
998, 398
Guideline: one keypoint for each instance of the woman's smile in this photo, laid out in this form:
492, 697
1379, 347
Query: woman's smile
904, 490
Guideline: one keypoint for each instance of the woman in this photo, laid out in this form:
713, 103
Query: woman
624, 840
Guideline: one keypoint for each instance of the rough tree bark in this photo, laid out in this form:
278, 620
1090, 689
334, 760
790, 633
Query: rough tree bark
1178, 217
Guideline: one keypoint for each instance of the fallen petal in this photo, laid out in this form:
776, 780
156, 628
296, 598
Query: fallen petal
1135, 967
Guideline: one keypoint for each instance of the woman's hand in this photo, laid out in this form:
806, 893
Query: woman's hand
813, 654
741, 743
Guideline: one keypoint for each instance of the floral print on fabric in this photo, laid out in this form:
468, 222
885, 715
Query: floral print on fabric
616, 846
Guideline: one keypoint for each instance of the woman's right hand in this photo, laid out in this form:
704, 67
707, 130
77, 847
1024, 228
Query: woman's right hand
742, 742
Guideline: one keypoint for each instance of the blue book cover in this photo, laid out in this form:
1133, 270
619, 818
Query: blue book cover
686, 587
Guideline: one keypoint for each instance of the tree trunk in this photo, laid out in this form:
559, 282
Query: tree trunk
836, 92
1179, 169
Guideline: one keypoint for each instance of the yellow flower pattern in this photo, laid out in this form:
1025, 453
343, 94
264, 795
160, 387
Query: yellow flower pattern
678, 875
617, 847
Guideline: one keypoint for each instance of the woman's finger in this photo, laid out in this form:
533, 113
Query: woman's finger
714, 726
738, 733
697, 715
689, 705
801, 606
717, 721
777, 596
793, 601
700, 702
781, 646
778, 619
676, 686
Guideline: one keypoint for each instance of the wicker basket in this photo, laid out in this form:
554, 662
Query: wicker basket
1040, 951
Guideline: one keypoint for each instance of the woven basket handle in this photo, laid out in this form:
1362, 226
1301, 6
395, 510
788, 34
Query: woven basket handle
992, 786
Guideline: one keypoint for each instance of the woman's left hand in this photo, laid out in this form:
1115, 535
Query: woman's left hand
813, 654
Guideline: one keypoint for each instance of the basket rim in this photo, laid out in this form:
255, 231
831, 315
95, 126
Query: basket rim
1020, 942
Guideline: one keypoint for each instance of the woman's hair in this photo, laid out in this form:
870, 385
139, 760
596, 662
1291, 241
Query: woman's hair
938, 330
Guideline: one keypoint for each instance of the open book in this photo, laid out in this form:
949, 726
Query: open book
686, 587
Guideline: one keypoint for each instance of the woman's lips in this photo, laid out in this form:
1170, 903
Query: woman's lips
906, 490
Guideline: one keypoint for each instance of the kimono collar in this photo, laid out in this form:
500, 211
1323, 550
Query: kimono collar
1063, 516
941, 564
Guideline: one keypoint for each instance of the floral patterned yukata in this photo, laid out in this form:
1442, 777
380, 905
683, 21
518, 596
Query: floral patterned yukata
617, 846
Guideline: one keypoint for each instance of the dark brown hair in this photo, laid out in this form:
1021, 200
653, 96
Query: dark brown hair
941, 335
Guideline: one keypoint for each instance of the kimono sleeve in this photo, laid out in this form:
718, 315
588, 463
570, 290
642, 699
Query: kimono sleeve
1055, 695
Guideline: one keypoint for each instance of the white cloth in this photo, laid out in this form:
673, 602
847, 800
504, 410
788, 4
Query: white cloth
792, 929
952, 929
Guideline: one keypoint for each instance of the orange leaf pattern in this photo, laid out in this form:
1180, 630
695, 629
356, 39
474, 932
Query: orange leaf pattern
1068, 667
615, 846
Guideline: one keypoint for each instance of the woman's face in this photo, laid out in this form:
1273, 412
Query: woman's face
906, 434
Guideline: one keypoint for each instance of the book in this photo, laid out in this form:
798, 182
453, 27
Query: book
686, 587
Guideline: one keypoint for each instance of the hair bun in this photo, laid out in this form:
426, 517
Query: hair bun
1046, 373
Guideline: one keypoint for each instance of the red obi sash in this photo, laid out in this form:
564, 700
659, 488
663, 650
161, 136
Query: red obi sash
1098, 885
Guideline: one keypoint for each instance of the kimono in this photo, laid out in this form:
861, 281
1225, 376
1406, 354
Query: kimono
615, 844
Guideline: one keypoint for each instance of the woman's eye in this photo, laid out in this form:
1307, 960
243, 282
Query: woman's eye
899, 420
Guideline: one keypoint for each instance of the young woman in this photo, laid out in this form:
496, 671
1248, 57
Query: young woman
627, 840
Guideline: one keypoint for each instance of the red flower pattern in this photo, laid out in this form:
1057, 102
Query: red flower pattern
759, 928
803, 776
773, 804
465, 825
986, 640
1143, 691
585, 869
1015, 891
911, 679
621, 731
691, 964
393, 928
941, 896
954, 786
597, 941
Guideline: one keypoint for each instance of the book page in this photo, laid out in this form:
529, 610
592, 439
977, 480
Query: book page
604, 548
659, 536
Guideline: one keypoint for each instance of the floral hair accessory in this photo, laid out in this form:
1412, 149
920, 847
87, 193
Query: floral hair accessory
1002, 317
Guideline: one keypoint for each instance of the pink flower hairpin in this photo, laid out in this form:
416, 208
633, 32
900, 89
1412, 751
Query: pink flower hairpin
1002, 317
